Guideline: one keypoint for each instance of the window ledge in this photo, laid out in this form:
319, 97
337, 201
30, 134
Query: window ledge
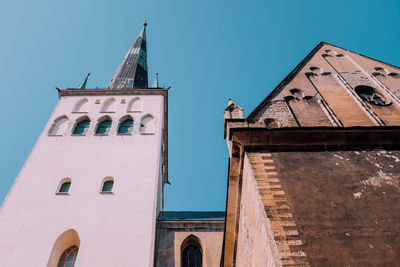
147, 133
107, 111
134, 111
62, 193
107, 192
124, 134
55, 135
79, 112
100, 134
78, 134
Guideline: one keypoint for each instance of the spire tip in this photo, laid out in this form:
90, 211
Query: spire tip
144, 24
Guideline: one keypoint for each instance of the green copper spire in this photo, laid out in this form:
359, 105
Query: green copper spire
142, 33
132, 72
155, 83
84, 82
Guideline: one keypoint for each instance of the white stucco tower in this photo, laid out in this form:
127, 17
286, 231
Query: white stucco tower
92, 186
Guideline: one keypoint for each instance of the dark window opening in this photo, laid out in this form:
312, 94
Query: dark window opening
126, 127
68, 257
192, 256
64, 188
104, 127
107, 186
368, 94
81, 127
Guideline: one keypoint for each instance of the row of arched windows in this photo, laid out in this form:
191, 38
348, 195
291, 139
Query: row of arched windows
60, 125
109, 105
65, 184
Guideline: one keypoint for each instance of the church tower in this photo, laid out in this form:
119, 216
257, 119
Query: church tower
92, 187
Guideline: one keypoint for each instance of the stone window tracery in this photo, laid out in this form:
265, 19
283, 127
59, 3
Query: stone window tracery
369, 95
191, 252
68, 257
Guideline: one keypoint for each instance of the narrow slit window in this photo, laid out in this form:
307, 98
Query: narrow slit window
104, 127
126, 127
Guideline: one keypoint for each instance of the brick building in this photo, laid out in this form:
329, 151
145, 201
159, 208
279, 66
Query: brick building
314, 175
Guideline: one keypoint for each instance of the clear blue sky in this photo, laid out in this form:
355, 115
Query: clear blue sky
205, 50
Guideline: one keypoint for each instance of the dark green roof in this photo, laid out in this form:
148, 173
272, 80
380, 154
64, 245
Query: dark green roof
191, 216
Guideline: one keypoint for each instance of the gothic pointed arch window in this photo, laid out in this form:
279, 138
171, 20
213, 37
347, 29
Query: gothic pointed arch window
104, 125
81, 126
191, 252
126, 125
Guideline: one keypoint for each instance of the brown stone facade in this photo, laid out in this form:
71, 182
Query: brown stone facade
333, 87
319, 197
314, 174
173, 231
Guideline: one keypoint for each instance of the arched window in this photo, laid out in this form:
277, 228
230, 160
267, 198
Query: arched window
147, 125
82, 127
191, 255
64, 188
135, 105
82, 106
59, 126
68, 257
65, 250
104, 127
126, 126
108, 184
109, 105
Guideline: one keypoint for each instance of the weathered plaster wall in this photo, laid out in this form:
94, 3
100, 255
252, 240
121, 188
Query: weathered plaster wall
346, 205
171, 234
114, 229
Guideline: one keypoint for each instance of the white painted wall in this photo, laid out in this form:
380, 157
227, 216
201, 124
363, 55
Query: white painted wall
114, 229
